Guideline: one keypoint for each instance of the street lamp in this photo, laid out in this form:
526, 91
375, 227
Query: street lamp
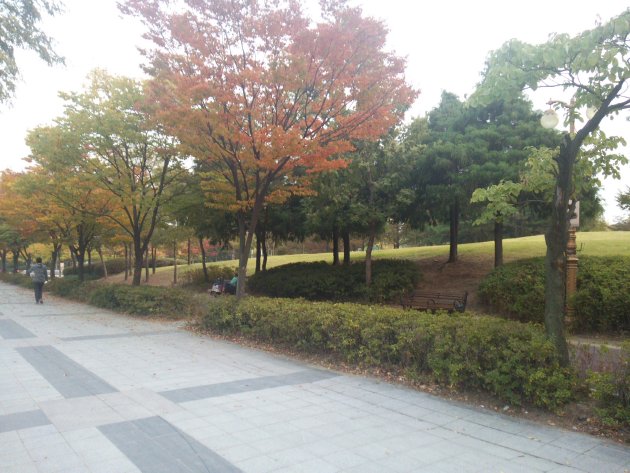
550, 120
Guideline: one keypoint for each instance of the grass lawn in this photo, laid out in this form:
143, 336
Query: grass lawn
588, 243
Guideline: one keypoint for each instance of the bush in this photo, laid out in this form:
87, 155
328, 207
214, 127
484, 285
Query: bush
142, 300
612, 391
322, 281
196, 277
70, 287
18, 279
511, 360
602, 300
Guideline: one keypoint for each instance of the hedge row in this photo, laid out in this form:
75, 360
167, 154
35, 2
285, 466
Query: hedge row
322, 281
513, 361
602, 300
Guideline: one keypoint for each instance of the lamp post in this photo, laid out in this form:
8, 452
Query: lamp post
550, 120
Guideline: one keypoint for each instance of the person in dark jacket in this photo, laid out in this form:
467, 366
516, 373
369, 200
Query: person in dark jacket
39, 275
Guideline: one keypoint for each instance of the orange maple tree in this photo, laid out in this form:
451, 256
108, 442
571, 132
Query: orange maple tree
258, 91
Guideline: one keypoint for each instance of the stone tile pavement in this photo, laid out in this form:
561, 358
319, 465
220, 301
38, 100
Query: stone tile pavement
87, 390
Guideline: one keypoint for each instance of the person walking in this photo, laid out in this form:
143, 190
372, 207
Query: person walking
39, 275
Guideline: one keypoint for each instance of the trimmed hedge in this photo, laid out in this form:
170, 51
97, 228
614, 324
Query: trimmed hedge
142, 300
602, 300
18, 279
513, 361
322, 281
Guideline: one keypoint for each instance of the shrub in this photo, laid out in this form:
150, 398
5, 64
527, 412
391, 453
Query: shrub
321, 281
511, 360
18, 279
612, 391
196, 277
142, 300
602, 300
70, 287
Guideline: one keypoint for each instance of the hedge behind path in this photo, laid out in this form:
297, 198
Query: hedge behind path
511, 360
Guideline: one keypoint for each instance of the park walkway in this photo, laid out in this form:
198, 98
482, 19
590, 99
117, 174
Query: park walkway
86, 390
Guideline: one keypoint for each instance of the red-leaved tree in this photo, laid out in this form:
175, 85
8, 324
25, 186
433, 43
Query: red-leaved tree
263, 96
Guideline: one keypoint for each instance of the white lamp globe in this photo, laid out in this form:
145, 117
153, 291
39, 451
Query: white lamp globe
549, 119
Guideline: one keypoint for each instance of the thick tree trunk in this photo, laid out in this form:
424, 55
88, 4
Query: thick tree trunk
368, 254
555, 261
3, 255
54, 256
16, 260
346, 247
335, 242
498, 244
454, 231
202, 250
100, 255
138, 262
189, 253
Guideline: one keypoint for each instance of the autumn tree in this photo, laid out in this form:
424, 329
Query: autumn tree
125, 154
257, 89
593, 69
20, 29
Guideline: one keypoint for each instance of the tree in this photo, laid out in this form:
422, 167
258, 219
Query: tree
19, 28
623, 199
126, 154
594, 67
258, 90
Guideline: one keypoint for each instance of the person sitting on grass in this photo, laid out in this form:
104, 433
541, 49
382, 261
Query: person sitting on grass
230, 287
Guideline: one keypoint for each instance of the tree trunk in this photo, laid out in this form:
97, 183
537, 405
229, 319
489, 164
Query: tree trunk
126, 261
345, 235
555, 261
89, 255
335, 242
498, 243
368, 254
16, 260
99, 250
258, 252
138, 262
54, 256
153, 258
189, 253
397, 232
174, 262
264, 251
454, 231
202, 250
146, 265
3, 255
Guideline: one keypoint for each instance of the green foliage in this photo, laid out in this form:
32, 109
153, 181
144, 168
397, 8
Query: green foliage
612, 391
17, 279
516, 289
513, 361
70, 287
602, 300
321, 281
142, 300
196, 277
116, 266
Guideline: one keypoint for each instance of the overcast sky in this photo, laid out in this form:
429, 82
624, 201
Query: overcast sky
445, 42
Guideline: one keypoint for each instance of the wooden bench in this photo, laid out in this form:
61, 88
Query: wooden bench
422, 300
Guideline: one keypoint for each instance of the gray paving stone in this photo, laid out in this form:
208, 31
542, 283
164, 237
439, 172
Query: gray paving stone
23, 420
10, 329
155, 446
65, 375
245, 385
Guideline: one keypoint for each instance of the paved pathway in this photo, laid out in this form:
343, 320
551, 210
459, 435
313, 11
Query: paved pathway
86, 390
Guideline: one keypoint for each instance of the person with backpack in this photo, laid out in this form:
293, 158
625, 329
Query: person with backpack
39, 275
